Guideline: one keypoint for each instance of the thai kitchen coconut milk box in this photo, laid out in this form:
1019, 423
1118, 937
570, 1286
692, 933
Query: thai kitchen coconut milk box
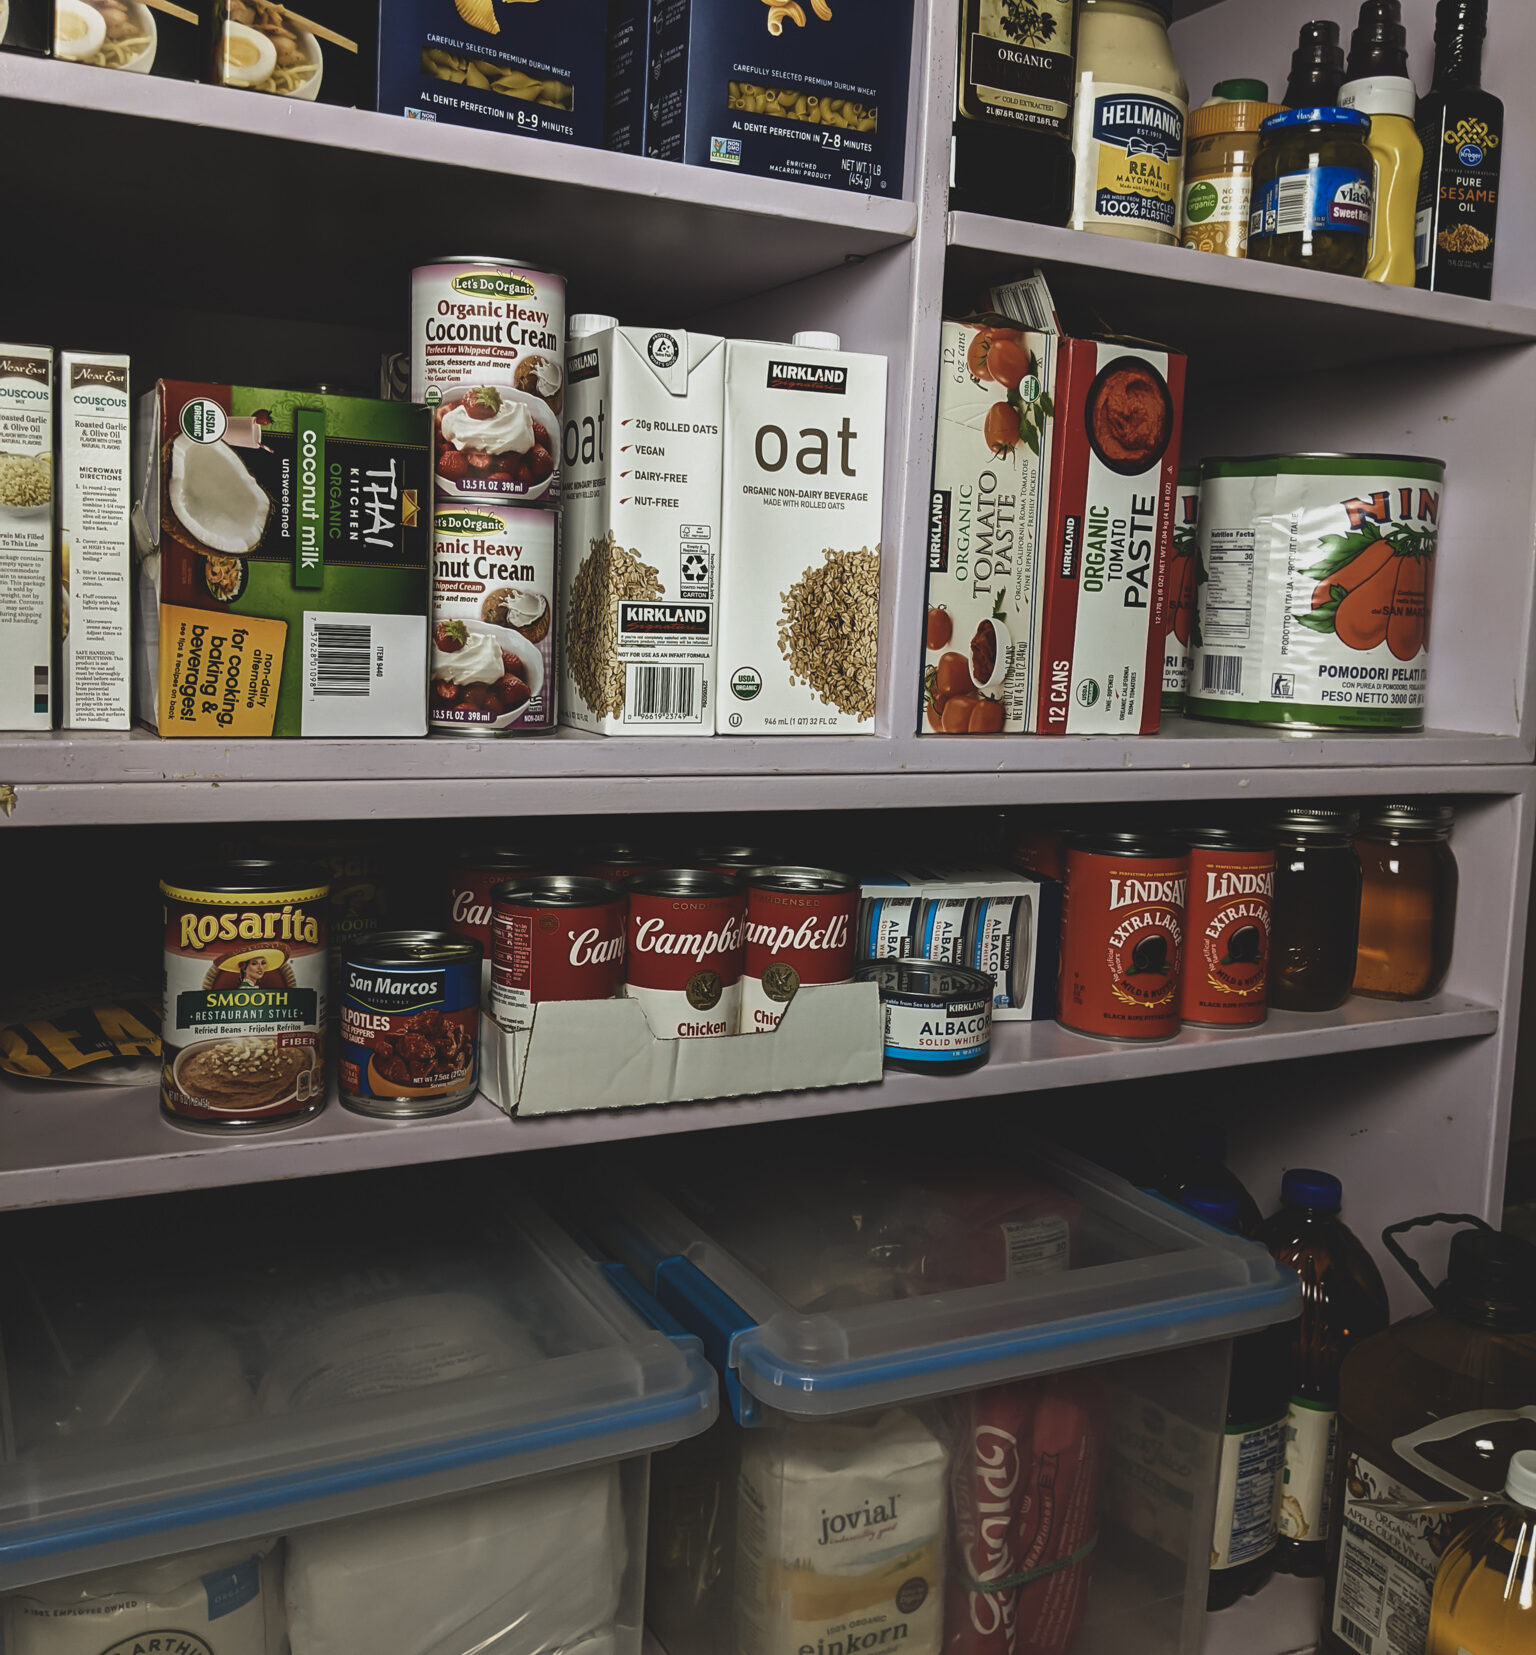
285, 542
814, 90
644, 409
800, 538
95, 559
532, 69
26, 537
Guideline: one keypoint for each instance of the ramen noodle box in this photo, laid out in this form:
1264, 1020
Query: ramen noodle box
640, 577
685, 952
26, 26
800, 584
1122, 937
26, 537
1026, 1483
410, 1024
493, 619
1180, 615
1227, 923
799, 929
243, 1035
1114, 460
475, 875
487, 357
986, 528
1319, 573
266, 47
554, 938
138, 38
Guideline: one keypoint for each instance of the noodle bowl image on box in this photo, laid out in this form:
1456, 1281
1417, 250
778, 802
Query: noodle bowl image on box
324, 53
126, 34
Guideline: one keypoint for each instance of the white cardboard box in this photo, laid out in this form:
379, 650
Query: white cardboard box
601, 1054
27, 694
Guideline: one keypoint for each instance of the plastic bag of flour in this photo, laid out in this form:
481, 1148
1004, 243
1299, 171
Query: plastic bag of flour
225, 1601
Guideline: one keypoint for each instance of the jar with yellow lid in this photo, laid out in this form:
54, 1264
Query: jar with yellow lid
1223, 138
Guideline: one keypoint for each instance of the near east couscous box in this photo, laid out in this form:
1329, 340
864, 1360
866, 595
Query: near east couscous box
284, 544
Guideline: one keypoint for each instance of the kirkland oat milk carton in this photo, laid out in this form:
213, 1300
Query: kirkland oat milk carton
640, 528
26, 537
800, 575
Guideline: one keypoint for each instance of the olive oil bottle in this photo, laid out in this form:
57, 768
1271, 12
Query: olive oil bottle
1462, 130
1485, 1589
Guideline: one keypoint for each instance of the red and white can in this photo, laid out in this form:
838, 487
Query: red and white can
556, 938
1226, 959
476, 873
1122, 937
800, 926
686, 946
737, 859
618, 860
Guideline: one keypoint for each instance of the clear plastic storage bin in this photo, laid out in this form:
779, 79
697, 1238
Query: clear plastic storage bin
977, 1397
403, 1415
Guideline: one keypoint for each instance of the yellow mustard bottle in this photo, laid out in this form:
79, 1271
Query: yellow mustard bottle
1485, 1587
1377, 84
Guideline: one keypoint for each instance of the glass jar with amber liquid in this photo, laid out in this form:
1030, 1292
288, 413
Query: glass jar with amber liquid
1407, 900
1313, 930
1485, 1588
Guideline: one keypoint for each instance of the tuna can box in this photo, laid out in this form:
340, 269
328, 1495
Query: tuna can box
815, 91
283, 542
535, 69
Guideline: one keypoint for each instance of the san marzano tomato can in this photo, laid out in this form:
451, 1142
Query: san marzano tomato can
800, 926
1226, 955
1122, 937
686, 948
556, 938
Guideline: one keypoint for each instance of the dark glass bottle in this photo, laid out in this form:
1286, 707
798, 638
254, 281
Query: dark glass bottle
1317, 68
1011, 148
1248, 1481
1315, 929
1462, 130
1343, 1301
1196, 1158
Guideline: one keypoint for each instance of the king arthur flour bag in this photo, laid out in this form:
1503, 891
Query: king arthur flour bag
840, 1527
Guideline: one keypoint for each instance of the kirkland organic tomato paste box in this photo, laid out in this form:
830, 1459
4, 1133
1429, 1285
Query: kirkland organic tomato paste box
284, 541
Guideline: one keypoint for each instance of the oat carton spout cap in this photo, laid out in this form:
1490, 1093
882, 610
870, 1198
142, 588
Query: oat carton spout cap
814, 340
585, 322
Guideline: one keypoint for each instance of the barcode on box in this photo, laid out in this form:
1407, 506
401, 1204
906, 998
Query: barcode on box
1293, 205
342, 659
663, 695
1222, 673
1357, 1635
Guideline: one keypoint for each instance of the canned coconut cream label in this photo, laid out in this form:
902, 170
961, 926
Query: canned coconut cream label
245, 994
1226, 954
1319, 573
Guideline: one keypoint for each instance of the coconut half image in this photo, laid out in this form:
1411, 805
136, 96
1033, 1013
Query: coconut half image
215, 499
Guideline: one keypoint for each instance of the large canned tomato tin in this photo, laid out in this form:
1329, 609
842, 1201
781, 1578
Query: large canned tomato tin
410, 1024
1227, 925
476, 873
243, 1041
800, 925
686, 948
1122, 937
556, 938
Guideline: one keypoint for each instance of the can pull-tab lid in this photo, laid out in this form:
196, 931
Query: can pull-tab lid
585, 321
814, 340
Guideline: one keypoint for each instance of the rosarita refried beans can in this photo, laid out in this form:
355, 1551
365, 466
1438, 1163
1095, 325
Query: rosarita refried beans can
245, 994
556, 938
800, 928
1122, 937
1227, 920
686, 948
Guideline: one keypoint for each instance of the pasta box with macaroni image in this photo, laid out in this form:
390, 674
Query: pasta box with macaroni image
534, 69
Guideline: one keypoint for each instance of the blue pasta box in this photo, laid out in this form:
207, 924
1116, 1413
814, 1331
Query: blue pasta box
814, 90
624, 111
533, 69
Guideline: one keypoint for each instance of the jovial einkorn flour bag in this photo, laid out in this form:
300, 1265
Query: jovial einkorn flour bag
800, 537
1319, 573
225, 1601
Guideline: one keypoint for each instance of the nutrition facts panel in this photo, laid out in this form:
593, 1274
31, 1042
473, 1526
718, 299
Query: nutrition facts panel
1229, 586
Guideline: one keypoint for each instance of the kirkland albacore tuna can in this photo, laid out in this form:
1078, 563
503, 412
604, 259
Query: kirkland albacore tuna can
410, 1023
1319, 570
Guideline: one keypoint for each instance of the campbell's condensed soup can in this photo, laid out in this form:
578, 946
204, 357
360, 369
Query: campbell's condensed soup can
556, 938
476, 873
1122, 937
800, 928
1226, 952
737, 859
686, 948
617, 860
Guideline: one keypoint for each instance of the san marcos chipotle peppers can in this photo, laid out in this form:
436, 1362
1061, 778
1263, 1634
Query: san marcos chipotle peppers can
556, 938
410, 1024
245, 994
1122, 937
686, 948
1226, 951
800, 926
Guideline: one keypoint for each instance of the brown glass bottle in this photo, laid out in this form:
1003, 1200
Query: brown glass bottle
1407, 900
1313, 932
1342, 1302
1431, 1409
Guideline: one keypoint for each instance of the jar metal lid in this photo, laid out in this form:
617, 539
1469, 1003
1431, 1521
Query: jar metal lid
1329, 819
1227, 838
1408, 813
1126, 844
405, 948
1324, 115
